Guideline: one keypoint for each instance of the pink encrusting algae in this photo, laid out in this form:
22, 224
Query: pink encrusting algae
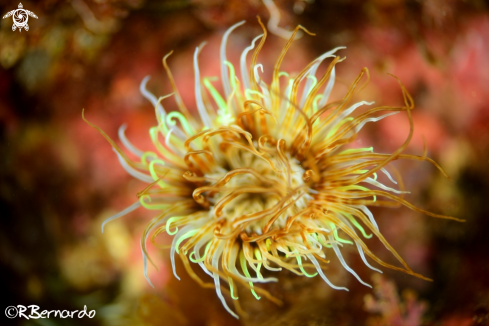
264, 181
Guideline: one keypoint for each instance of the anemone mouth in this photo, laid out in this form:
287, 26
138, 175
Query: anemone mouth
254, 192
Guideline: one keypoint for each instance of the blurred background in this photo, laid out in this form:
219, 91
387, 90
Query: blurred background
59, 178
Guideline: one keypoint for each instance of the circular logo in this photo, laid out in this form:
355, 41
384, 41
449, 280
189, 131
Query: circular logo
11, 312
20, 17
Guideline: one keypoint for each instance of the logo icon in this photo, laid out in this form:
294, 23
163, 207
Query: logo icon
20, 16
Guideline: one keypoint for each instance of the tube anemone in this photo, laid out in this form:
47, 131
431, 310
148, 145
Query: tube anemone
264, 182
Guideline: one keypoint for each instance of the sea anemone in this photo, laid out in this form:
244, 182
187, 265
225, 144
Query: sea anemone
264, 181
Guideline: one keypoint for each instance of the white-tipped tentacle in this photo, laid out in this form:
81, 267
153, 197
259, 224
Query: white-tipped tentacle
360, 126
204, 115
285, 102
127, 144
217, 280
170, 146
362, 255
320, 271
360, 250
264, 89
205, 240
388, 175
316, 244
163, 120
224, 69
325, 131
349, 111
143, 249
312, 72
125, 211
150, 97
235, 271
275, 20
270, 268
343, 262
176, 237
255, 72
369, 214
328, 89
245, 75
132, 171
159, 107
381, 186
177, 132
145, 266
